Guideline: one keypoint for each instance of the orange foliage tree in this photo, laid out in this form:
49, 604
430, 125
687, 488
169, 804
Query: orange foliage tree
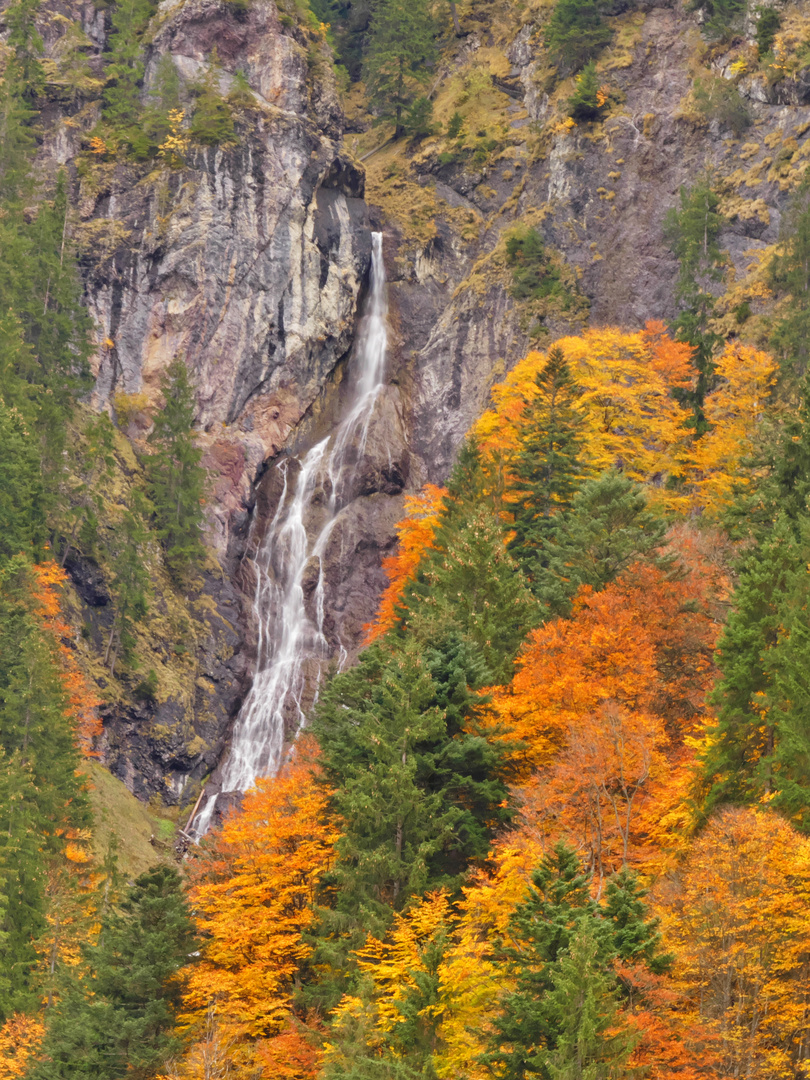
83, 703
252, 893
736, 918
415, 534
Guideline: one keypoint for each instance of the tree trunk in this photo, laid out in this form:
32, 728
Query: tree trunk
454, 13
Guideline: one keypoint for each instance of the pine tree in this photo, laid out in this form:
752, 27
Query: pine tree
585, 102
400, 50
121, 1019
176, 478
606, 530
575, 34
548, 469
692, 232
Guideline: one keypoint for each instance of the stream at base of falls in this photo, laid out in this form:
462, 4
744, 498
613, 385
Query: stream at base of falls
292, 649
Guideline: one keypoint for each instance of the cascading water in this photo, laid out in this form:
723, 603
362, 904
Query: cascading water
292, 648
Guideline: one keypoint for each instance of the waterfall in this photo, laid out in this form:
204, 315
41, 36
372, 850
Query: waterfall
292, 649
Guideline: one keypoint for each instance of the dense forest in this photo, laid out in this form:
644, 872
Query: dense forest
553, 822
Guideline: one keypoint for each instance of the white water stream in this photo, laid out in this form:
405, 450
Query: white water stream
292, 648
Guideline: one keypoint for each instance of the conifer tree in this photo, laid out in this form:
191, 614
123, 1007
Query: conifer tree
543, 927
120, 1019
22, 520
582, 1004
606, 530
125, 65
400, 50
212, 119
576, 33
636, 937
790, 273
130, 584
471, 584
176, 478
548, 469
737, 763
692, 231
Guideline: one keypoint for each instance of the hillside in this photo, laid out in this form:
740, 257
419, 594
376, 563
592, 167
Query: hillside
404, 464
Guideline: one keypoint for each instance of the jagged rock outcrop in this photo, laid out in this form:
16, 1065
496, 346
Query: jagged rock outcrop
250, 261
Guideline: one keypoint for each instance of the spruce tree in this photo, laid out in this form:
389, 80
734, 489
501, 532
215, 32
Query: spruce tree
636, 938
576, 33
471, 584
692, 231
399, 52
790, 273
738, 760
548, 469
607, 528
543, 927
120, 1020
125, 66
590, 1043
212, 119
176, 478
130, 584
22, 520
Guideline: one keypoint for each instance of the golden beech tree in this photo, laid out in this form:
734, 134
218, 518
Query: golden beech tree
20, 1038
736, 917
252, 893
734, 411
415, 535
401, 1008
633, 420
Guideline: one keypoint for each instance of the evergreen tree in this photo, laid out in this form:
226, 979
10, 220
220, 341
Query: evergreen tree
176, 478
125, 66
548, 470
417, 789
130, 584
212, 119
606, 530
738, 761
526, 1030
636, 938
22, 520
692, 232
582, 1004
575, 34
471, 584
121, 1020
400, 50
790, 273
585, 103
23, 865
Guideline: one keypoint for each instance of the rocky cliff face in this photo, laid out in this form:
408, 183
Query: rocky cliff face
250, 261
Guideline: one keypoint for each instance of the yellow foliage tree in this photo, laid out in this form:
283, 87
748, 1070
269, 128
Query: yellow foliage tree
734, 411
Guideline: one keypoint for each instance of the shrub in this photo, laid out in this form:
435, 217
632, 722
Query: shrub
719, 99
533, 276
